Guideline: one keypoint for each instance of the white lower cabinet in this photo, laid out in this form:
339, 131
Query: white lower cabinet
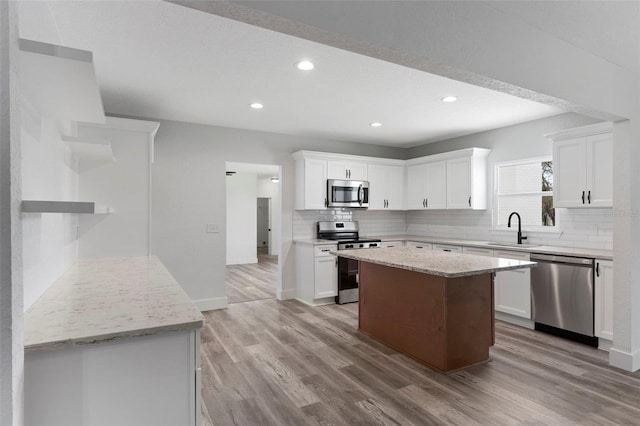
316, 273
477, 251
603, 287
146, 380
513, 288
325, 277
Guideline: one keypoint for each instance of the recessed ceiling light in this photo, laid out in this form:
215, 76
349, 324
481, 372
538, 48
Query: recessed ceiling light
449, 99
305, 65
256, 105
375, 124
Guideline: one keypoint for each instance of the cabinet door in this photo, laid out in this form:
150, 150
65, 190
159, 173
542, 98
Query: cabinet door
378, 185
604, 299
357, 171
315, 184
352, 170
459, 183
395, 187
416, 178
436, 185
569, 173
325, 276
600, 172
513, 288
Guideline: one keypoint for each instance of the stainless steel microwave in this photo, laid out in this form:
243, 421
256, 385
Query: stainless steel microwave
348, 193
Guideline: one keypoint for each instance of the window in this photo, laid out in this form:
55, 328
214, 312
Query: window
525, 187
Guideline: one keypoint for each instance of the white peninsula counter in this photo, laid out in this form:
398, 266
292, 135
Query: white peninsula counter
113, 341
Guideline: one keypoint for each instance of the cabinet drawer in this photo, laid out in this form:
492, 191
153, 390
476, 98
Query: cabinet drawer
392, 244
506, 254
446, 247
417, 244
324, 250
478, 251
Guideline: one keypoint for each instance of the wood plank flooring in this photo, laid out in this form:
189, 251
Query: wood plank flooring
284, 363
254, 281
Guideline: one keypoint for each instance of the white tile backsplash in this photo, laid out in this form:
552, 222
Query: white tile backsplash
588, 228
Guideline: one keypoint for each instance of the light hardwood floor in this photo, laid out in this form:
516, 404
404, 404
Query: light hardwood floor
253, 281
285, 363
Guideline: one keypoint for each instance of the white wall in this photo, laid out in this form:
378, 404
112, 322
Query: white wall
268, 189
11, 289
49, 239
242, 195
124, 186
189, 192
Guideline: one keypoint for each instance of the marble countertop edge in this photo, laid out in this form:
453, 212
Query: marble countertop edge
110, 337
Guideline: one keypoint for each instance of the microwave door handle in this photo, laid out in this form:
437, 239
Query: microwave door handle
360, 197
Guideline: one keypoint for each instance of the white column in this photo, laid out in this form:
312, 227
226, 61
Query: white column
625, 352
11, 299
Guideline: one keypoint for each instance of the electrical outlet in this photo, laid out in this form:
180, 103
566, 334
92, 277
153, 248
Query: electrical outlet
212, 228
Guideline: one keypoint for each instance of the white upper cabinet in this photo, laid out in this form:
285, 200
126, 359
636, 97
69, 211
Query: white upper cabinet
416, 186
436, 185
583, 167
455, 180
311, 184
347, 169
386, 187
427, 186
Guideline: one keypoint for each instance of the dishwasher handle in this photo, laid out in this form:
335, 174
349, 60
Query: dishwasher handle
535, 257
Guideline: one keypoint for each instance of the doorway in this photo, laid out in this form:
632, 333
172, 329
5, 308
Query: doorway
253, 232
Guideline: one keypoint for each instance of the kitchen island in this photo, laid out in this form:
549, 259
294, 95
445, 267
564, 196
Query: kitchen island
435, 307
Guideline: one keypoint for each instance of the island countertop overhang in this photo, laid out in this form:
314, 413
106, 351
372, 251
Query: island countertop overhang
442, 264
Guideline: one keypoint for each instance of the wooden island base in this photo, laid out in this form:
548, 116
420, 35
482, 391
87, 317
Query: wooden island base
444, 323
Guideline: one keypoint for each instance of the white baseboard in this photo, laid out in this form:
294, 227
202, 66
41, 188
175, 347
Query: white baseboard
286, 294
604, 344
242, 261
624, 360
319, 302
211, 304
512, 319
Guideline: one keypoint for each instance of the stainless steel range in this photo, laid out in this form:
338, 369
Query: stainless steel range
346, 234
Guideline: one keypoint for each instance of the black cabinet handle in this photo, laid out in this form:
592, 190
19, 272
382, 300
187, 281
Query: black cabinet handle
469, 201
597, 269
326, 203
589, 197
446, 250
423, 205
582, 197
426, 202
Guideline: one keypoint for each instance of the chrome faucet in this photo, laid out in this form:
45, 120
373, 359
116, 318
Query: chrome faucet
520, 237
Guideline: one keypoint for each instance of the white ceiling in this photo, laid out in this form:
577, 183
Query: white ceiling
160, 60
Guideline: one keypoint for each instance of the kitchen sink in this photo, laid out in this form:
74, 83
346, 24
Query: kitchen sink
513, 245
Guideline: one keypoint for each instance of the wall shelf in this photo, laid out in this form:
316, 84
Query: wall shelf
78, 207
60, 81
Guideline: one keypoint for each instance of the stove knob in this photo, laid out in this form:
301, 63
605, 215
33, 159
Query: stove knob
361, 245
349, 246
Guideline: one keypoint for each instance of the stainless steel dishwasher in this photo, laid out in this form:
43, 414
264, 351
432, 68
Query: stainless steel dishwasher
562, 296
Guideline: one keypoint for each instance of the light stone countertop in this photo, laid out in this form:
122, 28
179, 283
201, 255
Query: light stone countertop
439, 263
544, 249
103, 299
